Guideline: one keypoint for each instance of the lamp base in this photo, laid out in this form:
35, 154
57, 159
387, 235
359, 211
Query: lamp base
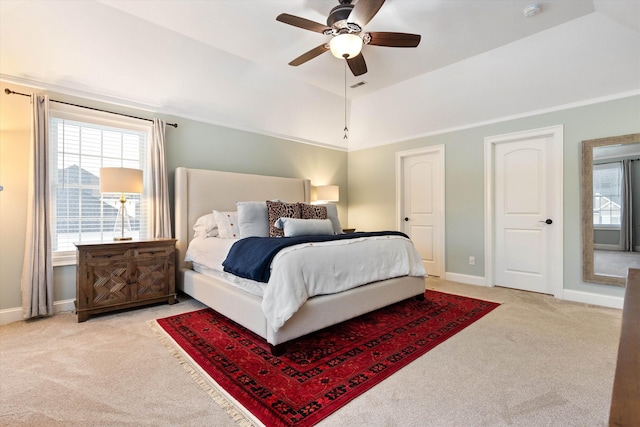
122, 238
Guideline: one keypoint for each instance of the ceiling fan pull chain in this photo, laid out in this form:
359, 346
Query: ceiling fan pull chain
346, 129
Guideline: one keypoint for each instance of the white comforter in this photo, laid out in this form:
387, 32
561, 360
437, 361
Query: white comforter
302, 271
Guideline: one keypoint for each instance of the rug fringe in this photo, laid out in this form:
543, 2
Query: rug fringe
203, 380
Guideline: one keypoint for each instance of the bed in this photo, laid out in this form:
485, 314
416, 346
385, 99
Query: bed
198, 192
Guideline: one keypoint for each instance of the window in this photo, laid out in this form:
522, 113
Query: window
607, 189
81, 142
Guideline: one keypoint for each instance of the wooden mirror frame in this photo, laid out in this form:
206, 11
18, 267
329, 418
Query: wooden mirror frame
588, 272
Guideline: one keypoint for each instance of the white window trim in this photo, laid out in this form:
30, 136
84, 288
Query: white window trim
606, 226
70, 112
63, 258
599, 166
102, 118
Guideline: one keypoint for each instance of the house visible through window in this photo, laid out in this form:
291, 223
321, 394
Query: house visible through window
81, 142
607, 189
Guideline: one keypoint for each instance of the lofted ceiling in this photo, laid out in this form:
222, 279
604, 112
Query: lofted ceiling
225, 62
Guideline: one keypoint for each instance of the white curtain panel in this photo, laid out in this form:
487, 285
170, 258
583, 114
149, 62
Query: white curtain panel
37, 270
626, 213
160, 216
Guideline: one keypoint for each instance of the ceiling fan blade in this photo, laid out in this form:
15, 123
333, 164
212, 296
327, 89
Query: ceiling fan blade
357, 65
303, 23
394, 39
309, 55
364, 11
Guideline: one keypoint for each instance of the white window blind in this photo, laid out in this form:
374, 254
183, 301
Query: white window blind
81, 142
607, 189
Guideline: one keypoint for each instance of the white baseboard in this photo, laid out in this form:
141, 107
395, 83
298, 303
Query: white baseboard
466, 279
591, 298
567, 294
10, 315
605, 247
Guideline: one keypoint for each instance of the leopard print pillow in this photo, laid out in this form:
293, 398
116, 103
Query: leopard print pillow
280, 210
308, 211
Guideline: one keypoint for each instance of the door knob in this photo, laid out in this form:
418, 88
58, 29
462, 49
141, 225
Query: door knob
548, 221
406, 218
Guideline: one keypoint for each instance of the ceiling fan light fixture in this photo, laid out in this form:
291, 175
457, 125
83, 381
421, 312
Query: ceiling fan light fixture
348, 45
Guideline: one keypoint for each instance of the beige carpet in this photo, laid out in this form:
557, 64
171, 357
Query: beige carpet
614, 263
534, 361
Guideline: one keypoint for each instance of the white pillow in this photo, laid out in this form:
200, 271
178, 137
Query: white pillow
293, 227
227, 224
209, 253
206, 226
332, 214
253, 219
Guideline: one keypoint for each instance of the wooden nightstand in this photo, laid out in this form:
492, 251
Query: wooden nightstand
116, 275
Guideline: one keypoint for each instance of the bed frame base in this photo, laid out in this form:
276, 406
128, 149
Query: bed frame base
317, 313
277, 350
280, 349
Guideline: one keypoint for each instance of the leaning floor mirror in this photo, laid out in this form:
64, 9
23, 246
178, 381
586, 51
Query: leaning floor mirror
610, 208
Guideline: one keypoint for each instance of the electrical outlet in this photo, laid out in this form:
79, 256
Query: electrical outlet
472, 260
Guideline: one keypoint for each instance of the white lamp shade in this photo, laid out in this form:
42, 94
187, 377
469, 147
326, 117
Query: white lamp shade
120, 180
328, 193
345, 44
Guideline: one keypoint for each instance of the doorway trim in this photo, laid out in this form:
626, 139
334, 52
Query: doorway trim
557, 149
400, 156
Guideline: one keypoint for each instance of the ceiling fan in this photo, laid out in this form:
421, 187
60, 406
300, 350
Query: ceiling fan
345, 24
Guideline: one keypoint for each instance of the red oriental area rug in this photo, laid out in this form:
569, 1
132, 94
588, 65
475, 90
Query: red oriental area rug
323, 371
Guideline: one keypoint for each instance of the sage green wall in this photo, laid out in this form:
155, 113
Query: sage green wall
606, 237
14, 161
372, 176
193, 144
205, 146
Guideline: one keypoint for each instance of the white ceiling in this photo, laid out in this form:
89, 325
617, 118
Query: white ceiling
225, 62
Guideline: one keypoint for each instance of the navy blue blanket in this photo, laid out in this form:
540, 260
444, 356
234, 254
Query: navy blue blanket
251, 257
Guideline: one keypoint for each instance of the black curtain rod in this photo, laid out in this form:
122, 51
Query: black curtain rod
12, 92
618, 161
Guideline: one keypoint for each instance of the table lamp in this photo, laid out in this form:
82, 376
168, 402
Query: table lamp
121, 180
327, 193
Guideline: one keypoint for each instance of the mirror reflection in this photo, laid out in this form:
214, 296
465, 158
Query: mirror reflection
611, 208
616, 209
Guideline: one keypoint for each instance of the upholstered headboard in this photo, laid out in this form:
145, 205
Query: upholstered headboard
199, 191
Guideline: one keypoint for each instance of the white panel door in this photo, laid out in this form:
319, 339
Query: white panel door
524, 187
422, 207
